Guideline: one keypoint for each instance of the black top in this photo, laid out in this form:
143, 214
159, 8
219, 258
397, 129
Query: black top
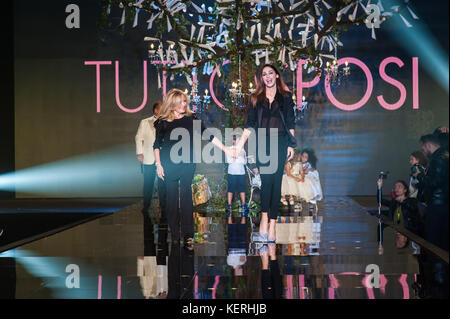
264, 115
433, 185
409, 211
182, 140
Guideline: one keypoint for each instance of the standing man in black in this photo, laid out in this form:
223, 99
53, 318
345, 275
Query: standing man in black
145, 138
434, 189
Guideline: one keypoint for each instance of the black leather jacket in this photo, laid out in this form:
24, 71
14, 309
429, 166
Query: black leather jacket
285, 103
433, 185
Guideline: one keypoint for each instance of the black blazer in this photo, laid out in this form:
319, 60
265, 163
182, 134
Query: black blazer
433, 185
286, 104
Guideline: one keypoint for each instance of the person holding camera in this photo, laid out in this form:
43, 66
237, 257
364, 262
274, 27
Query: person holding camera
418, 162
403, 210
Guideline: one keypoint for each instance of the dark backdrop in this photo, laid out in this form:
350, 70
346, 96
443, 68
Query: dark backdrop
55, 99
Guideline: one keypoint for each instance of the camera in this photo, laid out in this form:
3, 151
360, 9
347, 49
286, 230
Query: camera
383, 175
417, 168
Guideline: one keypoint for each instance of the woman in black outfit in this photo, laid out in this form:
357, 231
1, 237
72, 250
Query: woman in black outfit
271, 109
176, 117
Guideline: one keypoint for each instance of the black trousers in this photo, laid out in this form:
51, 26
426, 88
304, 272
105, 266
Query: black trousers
271, 183
271, 282
178, 178
180, 273
436, 225
149, 172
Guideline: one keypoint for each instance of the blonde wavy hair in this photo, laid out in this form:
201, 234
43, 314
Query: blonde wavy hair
173, 98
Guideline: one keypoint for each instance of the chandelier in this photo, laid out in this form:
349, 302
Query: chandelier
334, 76
236, 94
199, 103
299, 110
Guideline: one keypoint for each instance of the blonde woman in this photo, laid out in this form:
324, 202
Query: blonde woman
175, 169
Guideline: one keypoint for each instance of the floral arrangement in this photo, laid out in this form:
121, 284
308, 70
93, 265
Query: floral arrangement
201, 192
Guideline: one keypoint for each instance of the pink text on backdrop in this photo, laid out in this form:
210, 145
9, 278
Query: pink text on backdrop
300, 85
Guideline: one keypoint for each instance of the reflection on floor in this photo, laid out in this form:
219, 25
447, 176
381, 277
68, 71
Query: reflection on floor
26, 220
333, 253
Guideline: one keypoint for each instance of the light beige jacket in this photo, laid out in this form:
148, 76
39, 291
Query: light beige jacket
145, 138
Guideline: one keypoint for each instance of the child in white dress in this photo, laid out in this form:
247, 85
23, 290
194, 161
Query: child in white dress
309, 188
291, 178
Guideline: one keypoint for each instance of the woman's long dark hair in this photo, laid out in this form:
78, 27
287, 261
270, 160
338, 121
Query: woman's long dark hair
260, 92
420, 156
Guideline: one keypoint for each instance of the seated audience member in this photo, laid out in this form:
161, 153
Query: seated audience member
403, 211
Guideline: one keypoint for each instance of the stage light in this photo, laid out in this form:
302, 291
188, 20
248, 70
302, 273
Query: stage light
53, 273
113, 172
419, 41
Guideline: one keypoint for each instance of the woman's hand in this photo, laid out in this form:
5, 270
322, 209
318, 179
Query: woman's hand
290, 153
160, 170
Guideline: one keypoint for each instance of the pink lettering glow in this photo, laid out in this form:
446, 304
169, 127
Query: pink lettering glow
289, 291
99, 289
333, 281
144, 101
301, 84
331, 293
97, 69
216, 283
334, 285
383, 283
402, 281
301, 284
164, 84
415, 71
369, 289
394, 82
196, 287
194, 81
211, 87
365, 98
119, 287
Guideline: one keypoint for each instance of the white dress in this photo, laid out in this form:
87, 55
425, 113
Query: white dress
310, 190
288, 184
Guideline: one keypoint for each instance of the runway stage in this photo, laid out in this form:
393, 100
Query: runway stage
323, 255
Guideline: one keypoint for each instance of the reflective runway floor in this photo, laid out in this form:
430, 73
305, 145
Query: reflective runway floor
333, 253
